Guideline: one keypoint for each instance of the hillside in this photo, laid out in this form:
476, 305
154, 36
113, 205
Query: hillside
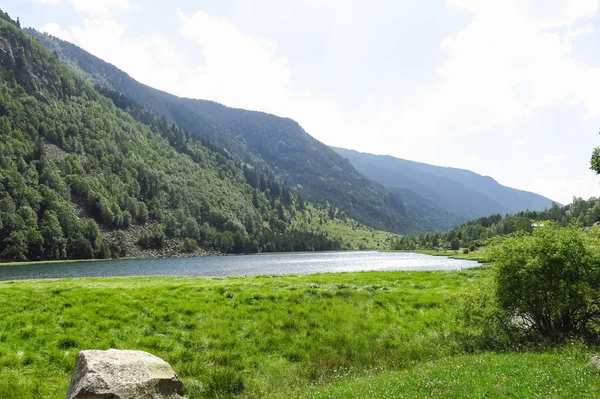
83, 178
270, 144
457, 191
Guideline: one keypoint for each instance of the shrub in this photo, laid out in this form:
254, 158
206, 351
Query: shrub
153, 238
189, 245
549, 281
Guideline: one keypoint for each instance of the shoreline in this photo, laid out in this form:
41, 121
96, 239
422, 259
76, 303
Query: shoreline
482, 258
205, 254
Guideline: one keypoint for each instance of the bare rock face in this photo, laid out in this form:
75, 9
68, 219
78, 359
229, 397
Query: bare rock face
123, 374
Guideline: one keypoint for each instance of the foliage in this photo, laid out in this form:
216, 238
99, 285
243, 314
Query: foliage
189, 245
595, 160
550, 280
153, 238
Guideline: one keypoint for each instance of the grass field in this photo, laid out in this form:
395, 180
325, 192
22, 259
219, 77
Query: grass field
482, 255
554, 373
369, 335
355, 235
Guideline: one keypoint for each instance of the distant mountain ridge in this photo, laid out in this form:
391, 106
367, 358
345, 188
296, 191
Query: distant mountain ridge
458, 191
270, 144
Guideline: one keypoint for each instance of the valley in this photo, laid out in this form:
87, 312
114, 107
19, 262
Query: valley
260, 262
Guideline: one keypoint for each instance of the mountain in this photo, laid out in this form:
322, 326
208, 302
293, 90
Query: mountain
269, 144
457, 191
88, 173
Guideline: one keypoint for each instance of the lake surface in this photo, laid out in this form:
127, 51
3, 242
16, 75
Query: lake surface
240, 265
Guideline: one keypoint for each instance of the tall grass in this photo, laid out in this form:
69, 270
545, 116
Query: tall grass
251, 337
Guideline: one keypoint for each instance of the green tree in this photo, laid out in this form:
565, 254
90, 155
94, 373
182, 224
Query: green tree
595, 161
15, 247
54, 241
225, 241
35, 244
550, 279
455, 244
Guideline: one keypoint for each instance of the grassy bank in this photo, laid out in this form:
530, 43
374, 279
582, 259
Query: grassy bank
46, 262
257, 337
482, 255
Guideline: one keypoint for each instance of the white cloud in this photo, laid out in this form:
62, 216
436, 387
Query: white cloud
517, 145
236, 66
55, 30
96, 8
561, 188
150, 59
100, 7
502, 48
551, 158
584, 30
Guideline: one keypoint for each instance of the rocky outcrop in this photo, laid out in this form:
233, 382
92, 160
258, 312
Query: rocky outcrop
13, 59
7, 58
123, 374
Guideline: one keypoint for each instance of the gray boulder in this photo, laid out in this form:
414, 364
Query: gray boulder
123, 374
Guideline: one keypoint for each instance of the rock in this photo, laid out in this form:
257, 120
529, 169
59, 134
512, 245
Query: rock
123, 374
595, 361
7, 58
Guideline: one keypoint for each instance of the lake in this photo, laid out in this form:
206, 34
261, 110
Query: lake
240, 265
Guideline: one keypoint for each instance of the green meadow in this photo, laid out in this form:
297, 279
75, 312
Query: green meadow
371, 335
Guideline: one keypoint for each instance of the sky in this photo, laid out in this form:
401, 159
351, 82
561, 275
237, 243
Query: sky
508, 89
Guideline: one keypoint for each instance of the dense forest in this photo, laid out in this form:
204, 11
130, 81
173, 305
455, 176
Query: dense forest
269, 144
475, 233
87, 173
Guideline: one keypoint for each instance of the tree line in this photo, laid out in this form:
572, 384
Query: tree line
475, 233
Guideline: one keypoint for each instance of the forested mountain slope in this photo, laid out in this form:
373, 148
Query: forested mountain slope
458, 191
81, 177
270, 144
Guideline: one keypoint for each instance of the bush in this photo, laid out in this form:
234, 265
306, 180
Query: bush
153, 238
466, 251
189, 245
478, 310
549, 281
